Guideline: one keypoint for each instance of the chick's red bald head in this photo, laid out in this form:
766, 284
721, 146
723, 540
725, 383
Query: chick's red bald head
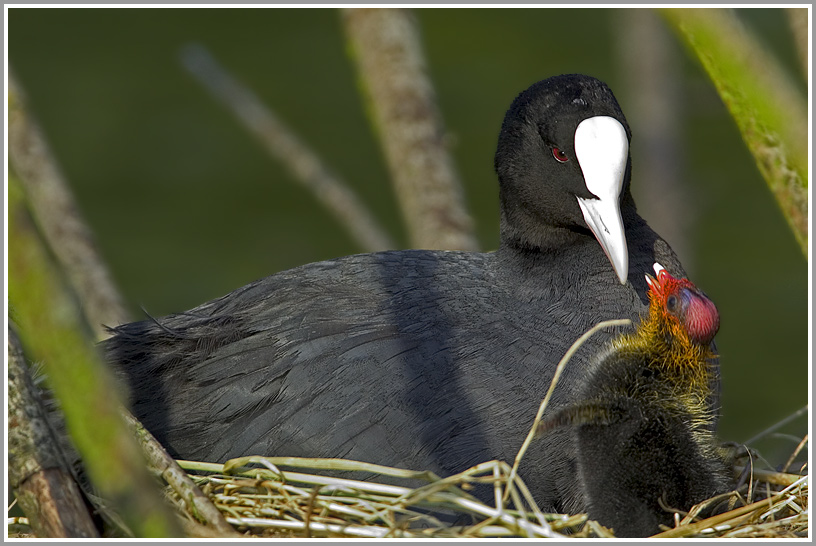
685, 304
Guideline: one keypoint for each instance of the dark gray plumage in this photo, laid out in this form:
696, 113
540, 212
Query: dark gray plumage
421, 359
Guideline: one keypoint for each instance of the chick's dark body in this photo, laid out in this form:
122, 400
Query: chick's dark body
649, 456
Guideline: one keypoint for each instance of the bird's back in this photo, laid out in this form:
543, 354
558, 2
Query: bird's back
424, 359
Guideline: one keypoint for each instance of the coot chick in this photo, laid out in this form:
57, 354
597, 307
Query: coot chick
643, 425
433, 360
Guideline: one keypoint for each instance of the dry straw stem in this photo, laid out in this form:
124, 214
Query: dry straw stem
795, 453
284, 500
758, 519
58, 218
768, 109
770, 476
386, 46
270, 501
285, 146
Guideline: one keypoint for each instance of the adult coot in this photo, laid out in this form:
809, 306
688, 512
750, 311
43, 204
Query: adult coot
642, 424
431, 360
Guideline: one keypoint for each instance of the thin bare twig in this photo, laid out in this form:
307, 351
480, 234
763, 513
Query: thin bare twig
391, 64
285, 146
296, 500
161, 463
801, 411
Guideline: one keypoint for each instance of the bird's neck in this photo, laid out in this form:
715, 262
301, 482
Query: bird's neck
531, 238
551, 256
541, 267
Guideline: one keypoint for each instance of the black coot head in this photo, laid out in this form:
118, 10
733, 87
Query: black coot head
563, 166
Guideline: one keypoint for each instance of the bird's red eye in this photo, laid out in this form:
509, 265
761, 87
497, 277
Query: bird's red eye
559, 155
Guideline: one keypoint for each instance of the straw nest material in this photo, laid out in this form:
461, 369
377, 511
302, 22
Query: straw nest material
308, 497
275, 496
259, 498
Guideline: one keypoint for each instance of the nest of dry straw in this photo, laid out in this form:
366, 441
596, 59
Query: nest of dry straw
292, 497
276, 496
259, 498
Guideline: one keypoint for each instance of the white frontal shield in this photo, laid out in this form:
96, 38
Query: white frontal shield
602, 150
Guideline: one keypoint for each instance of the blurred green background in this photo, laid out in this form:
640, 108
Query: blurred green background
186, 206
